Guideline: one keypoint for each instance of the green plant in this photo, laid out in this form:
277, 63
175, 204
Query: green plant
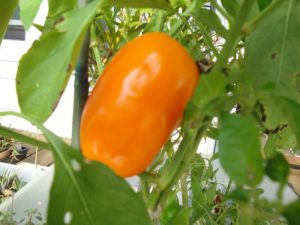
14, 154
9, 185
6, 144
6, 218
249, 84
13, 148
32, 214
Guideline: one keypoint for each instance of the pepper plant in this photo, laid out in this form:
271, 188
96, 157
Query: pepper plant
247, 99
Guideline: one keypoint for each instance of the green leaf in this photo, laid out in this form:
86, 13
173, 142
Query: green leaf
192, 47
273, 112
200, 207
240, 195
233, 7
182, 217
286, 139
44, 71
157, 21
175, 3
270, 148
28, 11
86, 192
212, 132
198, 198
291, 212
7, 9
272, 51
204, 190
170, 209
211, 20
263, 3
211, 191
160, 4
90, 193
239, 149
8, 132
198, 169
210, 89
57, 7
277, 168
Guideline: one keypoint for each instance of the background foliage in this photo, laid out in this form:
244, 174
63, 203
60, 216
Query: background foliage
247, 99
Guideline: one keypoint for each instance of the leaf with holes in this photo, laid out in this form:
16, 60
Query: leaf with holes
239, 149
272, 113
286, 139
44, 71
292, 112
87, 192
273, 51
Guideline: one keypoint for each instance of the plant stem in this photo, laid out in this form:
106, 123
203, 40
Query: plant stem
207, 39
94, 44
184, 192
81, 87
185, 147
148, 177
21, 137
145, 189
160, 158
176, 28
228, 188
98, 59
280, 192
233, 35
173, 172
186, 161
160, 20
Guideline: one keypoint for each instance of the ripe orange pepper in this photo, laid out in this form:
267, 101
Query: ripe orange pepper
137, 102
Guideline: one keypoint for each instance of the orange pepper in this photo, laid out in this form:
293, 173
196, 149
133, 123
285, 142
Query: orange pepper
137, 102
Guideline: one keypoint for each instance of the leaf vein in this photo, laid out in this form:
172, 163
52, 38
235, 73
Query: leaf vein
287, 21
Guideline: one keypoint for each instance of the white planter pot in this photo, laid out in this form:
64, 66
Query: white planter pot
270, 187
34, 195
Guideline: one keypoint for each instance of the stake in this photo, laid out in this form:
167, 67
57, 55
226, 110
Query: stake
81, 87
